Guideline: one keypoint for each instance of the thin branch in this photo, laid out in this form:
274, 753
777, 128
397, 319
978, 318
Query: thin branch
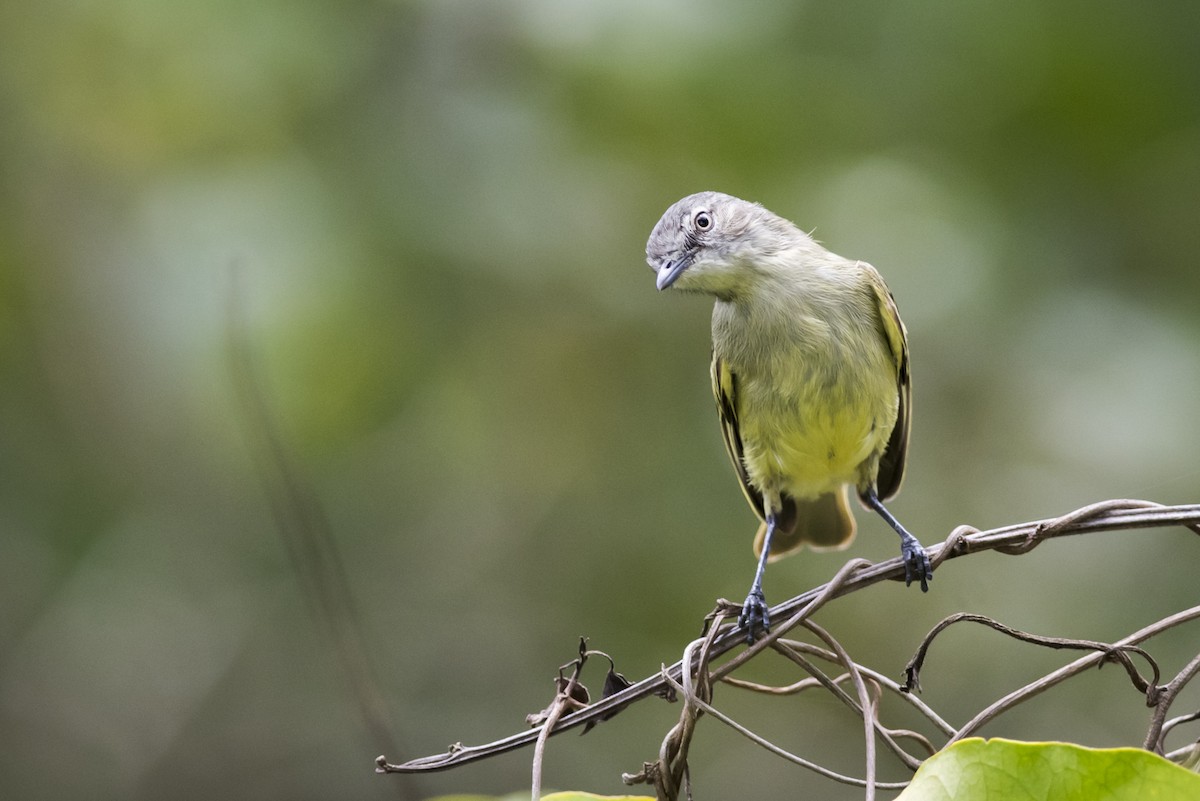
696, 686
788, 649
806, 684
866, 703
855, 576
1154, 737
802, 612
563, 700
1179, 721
912, 671
708, 709
1039, 686
1186, 757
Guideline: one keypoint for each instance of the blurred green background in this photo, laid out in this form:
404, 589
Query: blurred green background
437, 213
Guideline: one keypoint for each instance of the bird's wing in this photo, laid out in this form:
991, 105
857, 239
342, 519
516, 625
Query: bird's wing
724, 387
891, 464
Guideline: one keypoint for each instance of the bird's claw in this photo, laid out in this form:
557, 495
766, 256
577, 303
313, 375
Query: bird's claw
754, 615
916, 564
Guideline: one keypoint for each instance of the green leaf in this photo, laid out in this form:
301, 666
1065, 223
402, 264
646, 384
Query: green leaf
977, 769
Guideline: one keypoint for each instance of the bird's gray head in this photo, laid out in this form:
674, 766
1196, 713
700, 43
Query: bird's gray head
712, 242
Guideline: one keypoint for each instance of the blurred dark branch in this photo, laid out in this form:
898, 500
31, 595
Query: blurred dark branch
306, 533
856, 575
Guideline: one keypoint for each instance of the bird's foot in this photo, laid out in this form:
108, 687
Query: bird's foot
754, 614
916, 563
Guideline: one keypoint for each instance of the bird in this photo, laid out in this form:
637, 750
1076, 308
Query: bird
810, 373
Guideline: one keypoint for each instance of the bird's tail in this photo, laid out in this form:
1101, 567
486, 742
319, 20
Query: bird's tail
823, 524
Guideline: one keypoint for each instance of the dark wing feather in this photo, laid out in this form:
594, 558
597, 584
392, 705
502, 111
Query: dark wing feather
891, 464
724, 387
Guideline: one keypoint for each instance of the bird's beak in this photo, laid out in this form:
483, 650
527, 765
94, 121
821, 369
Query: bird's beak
670, 270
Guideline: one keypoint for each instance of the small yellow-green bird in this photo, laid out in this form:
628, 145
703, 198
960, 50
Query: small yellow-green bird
809, 371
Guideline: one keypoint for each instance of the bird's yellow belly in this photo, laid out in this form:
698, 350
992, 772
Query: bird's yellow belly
817, 447
810, 461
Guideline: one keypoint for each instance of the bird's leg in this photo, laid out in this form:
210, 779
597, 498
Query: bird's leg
916, 560
754, 611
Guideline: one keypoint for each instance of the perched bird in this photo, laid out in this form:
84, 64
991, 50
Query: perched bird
809, 371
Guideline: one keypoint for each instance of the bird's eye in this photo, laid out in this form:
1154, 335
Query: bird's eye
703, 221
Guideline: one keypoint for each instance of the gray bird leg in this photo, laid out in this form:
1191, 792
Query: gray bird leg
916, 560
754, 611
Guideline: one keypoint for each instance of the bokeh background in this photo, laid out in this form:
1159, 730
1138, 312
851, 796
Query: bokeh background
432, 216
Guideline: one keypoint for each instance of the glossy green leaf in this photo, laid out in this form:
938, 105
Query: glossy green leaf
977, 769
